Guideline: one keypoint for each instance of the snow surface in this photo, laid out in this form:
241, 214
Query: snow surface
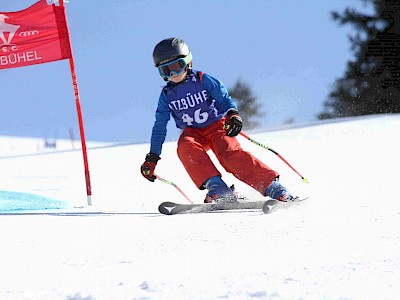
342, 243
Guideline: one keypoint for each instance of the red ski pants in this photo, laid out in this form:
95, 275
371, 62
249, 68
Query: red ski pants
193, 145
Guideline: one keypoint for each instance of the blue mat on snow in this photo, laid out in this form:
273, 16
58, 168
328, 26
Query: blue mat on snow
17, 201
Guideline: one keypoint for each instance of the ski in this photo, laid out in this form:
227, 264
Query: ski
272, 205
267, 206
171, 208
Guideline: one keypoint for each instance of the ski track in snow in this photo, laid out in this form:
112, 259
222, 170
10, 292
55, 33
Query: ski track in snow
342, 243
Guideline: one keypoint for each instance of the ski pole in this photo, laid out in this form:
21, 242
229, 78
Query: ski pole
175, 186
305, 180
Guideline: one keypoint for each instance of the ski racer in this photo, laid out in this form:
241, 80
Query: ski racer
209, 118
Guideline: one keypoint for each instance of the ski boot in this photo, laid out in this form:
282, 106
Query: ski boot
219, 192
278, 192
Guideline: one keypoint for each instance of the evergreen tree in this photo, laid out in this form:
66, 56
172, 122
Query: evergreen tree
371, 83
247, 104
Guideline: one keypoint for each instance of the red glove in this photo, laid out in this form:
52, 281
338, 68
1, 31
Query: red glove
147, 168
233, 123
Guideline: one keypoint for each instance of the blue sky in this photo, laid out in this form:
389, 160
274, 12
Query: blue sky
289, 52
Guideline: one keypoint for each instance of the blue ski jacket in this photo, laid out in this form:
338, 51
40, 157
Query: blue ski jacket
197, 102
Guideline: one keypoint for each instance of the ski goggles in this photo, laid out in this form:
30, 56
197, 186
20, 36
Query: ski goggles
176, 66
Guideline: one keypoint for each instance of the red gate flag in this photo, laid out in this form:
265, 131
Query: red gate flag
35, 35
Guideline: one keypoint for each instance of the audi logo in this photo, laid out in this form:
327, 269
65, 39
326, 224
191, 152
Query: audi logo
28, 33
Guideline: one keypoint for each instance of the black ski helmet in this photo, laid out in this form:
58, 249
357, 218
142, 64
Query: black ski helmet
169, 49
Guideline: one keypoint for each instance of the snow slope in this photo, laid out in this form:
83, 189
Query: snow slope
342, 243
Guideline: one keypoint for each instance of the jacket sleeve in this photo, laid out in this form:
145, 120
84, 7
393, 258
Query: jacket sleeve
219, 93
159, 131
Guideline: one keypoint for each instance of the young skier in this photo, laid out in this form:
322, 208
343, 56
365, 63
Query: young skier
210, 120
